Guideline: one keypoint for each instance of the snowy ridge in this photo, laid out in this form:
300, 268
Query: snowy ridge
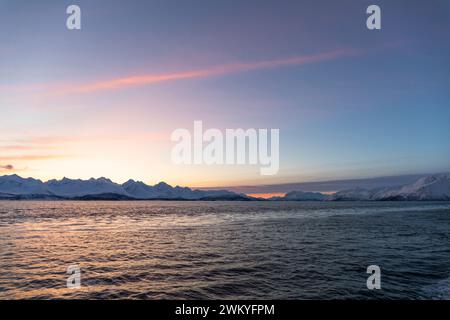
303, 196
15, 187
434, 187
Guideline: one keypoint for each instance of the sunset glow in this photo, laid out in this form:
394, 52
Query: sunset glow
97, 102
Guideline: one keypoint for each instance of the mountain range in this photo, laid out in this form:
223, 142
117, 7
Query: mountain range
432, 187
14, 187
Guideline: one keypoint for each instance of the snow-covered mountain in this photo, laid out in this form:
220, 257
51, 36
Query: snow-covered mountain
355, 194
15, 187
434, 187
162, 190
302, 196
78, 188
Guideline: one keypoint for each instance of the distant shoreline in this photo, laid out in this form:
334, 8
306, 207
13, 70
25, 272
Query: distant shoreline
214, 200
429, 188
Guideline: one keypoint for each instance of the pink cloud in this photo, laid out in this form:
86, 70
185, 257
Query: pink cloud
130, 81
7, 167
31, 157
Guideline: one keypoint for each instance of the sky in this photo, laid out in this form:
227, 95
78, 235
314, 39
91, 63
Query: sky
103, 101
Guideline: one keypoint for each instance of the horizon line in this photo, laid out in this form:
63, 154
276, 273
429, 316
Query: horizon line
231, 188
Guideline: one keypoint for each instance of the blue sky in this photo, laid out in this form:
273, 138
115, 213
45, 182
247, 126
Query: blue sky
382, 108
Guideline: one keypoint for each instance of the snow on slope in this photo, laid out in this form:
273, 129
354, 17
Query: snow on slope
14, 185
304, 196
162, 190
434, 187
78, 188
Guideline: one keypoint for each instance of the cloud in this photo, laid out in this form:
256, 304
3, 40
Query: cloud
31, 142
7, 167
10, 148
140, 80
31, 157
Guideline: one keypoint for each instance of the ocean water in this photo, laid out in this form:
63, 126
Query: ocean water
224, 250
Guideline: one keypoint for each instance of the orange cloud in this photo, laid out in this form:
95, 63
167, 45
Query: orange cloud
51, 142
124, 82
31, 157
9, 148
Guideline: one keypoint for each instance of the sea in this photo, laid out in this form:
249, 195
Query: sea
223, 250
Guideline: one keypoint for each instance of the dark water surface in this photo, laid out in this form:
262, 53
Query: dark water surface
224, 250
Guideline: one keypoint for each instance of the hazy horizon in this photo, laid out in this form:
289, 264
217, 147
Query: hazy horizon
266, 191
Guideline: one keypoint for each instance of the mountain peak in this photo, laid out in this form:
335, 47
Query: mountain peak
13, 177
98, 188
163, 185
433, 187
